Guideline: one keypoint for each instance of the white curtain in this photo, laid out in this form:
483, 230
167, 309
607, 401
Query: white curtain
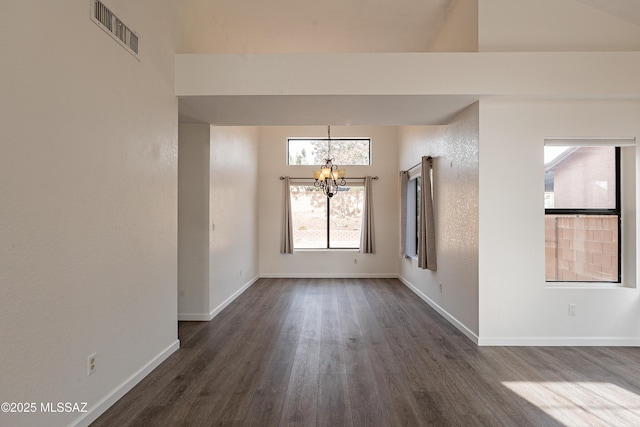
404, 182
286, 246
426, 227
367, 240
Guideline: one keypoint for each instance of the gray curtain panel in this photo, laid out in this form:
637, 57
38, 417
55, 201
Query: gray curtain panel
286, 246
367, 238
404, 182
426, 227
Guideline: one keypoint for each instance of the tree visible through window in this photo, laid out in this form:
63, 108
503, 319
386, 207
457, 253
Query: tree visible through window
345, 152
323, 223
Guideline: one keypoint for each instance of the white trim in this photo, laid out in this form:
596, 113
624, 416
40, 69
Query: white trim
455, 322
560, 342
205, 317
587, 285
591, 142
329, 276
194, 317
233, 296
106, 402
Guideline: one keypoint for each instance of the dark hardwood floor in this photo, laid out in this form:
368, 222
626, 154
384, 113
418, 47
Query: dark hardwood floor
368, 352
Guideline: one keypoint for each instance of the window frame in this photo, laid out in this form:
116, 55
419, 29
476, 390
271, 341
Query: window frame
328, 149
616, 211
414, 186
327, 222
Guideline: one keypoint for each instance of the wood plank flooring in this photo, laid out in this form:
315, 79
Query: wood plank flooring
368, 352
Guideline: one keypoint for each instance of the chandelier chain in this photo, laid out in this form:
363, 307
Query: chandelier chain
329, 178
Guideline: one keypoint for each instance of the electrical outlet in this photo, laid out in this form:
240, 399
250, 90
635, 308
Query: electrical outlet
572, 309
91, 364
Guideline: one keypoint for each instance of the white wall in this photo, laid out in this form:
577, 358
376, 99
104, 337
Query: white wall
512, 264
471, 75
88, 183
551, 26
218, 225
455, 151
384, 164
193, 221
459, 31
233, 207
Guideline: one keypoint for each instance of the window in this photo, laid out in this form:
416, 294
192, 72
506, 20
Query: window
345, 152
582, 214
413, 215
320, 222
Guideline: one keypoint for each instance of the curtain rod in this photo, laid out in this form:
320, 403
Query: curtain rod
418, 164
351, 177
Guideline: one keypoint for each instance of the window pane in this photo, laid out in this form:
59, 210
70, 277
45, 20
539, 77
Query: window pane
315, 151
418, 195
306, 151
350, 152
581, 248
309, 212
346, 218
580, 177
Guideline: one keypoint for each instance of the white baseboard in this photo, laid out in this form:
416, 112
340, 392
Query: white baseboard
329, 275
559, 342
455, 322
205, 317
233, 296
194, 317
105, 403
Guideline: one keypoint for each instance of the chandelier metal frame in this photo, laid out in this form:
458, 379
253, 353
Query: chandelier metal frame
330, 177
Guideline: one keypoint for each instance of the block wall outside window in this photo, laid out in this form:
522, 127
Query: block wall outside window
581, 248
322, 223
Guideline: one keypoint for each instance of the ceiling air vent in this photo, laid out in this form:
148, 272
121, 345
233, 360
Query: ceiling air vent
112, 25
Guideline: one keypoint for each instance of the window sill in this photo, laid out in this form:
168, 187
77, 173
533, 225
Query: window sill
587, 285
327, 250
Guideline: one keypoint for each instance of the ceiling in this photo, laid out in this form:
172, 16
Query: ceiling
629, 10
327, 26
297, 26
284, 110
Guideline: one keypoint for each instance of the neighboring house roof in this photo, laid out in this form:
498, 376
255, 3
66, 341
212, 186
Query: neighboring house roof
550, 166
560, 158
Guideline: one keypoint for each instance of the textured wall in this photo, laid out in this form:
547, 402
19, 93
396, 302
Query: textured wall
512, 259
88, 184
218, 226
193, 221
455, 151
233, 198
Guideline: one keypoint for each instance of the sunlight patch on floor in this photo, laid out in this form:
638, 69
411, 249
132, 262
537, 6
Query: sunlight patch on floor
581, 403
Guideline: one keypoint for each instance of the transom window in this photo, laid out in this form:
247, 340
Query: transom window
345, 152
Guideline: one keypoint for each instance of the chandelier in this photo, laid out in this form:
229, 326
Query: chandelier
329, 178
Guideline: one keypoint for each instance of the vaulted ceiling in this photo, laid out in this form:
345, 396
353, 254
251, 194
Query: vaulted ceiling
293, 26
327, 26
629, 10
